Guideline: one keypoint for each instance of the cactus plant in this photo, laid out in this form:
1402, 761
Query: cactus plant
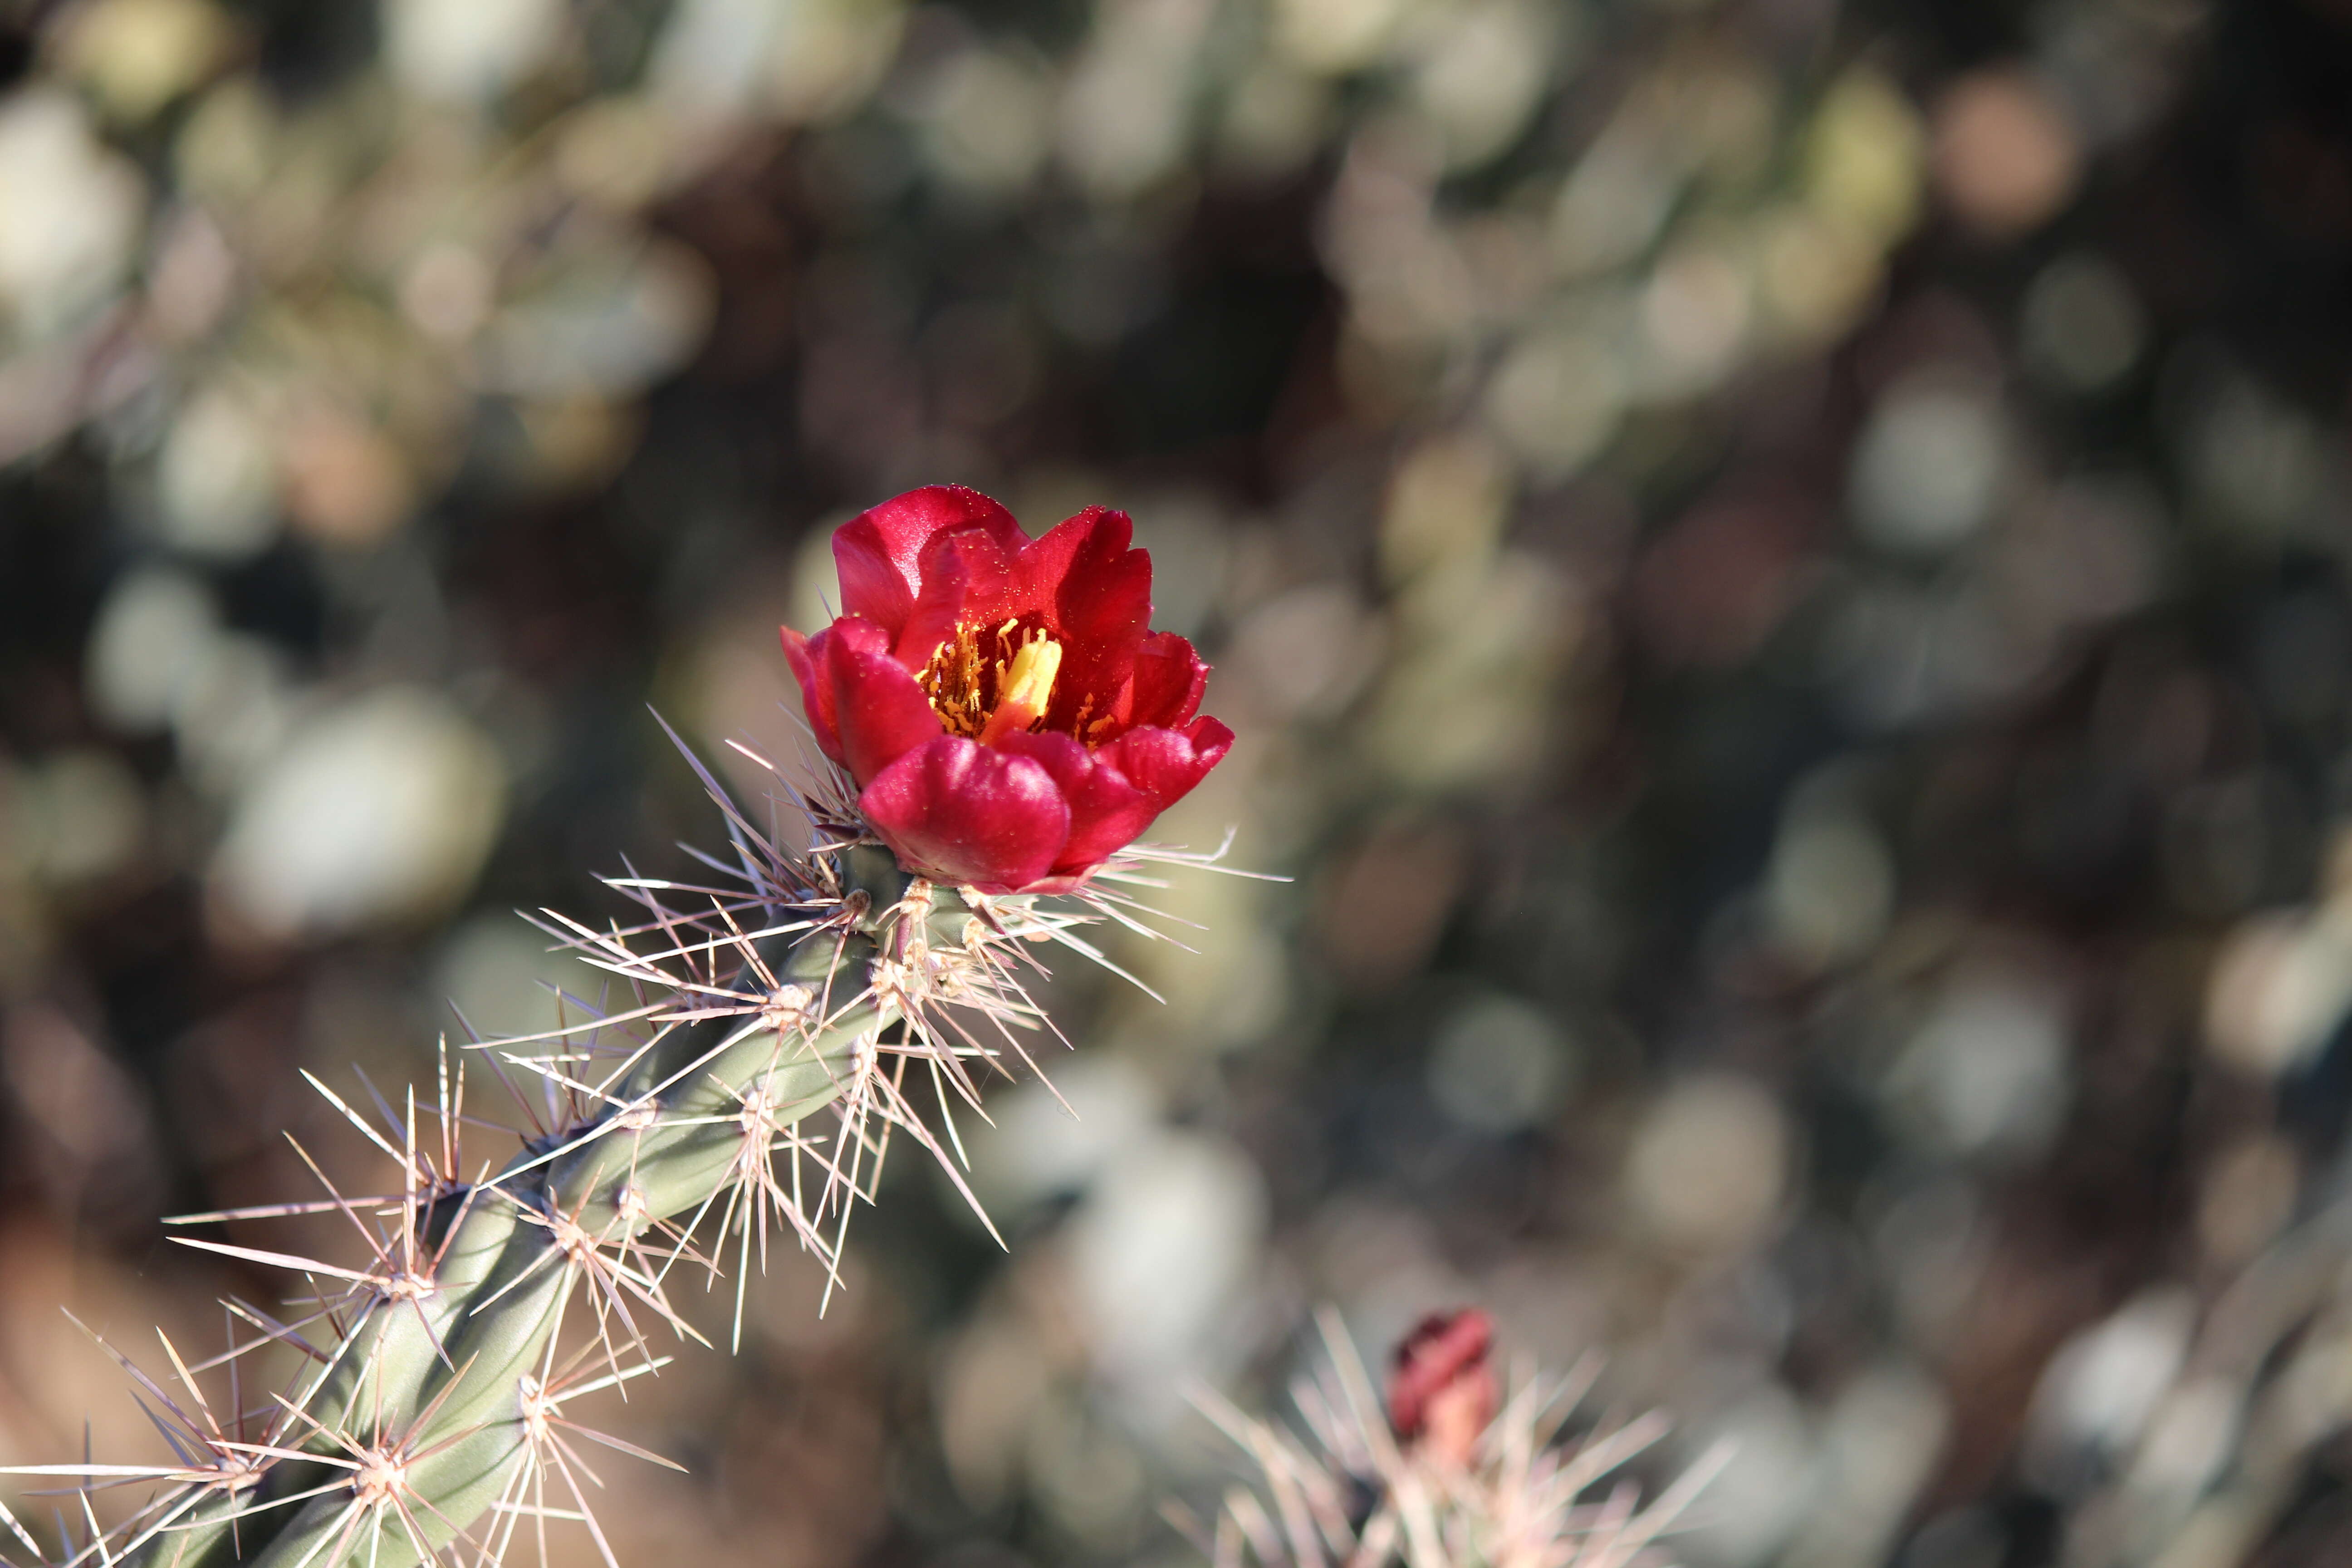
755, 1085
795, 982
791, 993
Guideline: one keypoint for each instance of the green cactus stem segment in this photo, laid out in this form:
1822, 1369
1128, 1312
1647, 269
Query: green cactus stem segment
414, 1427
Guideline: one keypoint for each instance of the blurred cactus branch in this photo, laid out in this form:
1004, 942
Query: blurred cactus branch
1520, 1493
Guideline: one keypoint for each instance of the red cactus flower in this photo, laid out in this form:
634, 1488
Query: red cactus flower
1441, 1392
1008, 718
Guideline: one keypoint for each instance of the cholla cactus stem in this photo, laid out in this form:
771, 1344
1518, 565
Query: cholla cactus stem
796, 986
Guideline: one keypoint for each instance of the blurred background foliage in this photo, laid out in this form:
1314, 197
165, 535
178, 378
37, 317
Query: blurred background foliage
1779, 565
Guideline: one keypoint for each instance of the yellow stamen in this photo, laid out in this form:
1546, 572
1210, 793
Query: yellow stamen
953, 680
1024, 689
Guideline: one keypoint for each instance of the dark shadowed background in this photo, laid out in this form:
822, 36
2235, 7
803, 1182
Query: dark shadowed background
1780, 568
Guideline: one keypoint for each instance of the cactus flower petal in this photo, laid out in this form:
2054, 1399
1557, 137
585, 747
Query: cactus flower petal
963, 811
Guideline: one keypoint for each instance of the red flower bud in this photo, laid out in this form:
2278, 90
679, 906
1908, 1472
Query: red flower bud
1007, 716
1441, 1392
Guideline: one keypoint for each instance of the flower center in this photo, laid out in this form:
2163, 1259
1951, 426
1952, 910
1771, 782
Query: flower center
988, 684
